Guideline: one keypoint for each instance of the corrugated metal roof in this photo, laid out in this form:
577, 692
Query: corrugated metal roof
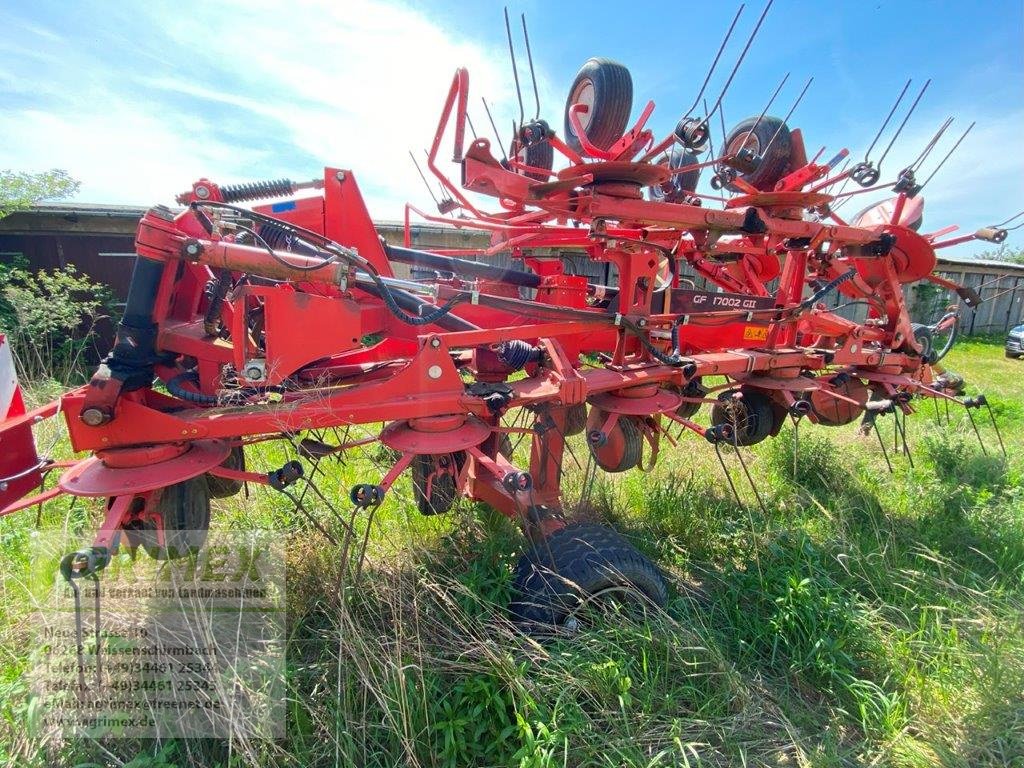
89, 209
967, 261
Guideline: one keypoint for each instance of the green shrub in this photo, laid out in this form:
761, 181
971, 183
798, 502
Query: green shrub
50, 317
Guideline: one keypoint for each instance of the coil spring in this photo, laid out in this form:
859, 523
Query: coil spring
256, 190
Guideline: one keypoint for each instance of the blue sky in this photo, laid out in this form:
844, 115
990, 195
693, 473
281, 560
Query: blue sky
139, 101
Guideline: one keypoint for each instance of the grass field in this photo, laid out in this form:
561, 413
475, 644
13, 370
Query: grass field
864, 618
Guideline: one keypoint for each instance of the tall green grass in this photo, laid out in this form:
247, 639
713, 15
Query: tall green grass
861, 617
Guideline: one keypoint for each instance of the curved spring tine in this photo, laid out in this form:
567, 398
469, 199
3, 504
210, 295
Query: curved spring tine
764, 111
789, 114
533, 74
743, 53
931, 145
886, 122
494, 127
515, 71
948, 154
1003, 224
714, 64
905, 119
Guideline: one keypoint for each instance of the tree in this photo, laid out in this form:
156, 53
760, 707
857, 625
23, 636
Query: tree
20, 190
49, 316
1003, 253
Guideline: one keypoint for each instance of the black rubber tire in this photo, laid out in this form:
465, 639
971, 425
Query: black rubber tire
555, 576
540, 155
442, 489
682, 184
923, 336
692, 389
752, 416
1013, 355
613, 102
575, 419
947, 343
776, 163
185, 510
631, 435
223, 487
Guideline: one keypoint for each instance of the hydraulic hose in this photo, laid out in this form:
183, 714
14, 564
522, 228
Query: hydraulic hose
414, 304
462, 267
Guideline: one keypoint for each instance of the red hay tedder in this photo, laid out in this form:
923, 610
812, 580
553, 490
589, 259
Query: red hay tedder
255, 321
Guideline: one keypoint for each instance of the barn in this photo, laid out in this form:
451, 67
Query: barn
99, 241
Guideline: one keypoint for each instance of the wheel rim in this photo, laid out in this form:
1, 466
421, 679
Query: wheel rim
738, 416
747, 141
584, 94
624, 600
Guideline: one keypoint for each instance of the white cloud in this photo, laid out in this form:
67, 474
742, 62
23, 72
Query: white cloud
159, 95
355, 84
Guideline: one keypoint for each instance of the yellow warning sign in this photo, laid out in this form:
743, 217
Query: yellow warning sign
755, 333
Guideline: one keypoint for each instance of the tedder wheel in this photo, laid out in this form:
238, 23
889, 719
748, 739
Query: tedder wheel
618, 450
184, 509
580, 567
606, 87
680, 184
223, 487
442, 485
923, 336
772, 166
751, 416
575, 419
538, 155
694, 388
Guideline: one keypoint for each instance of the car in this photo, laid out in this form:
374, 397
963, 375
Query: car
1015, 342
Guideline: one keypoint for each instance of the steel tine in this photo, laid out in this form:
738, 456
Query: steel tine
743, 466
714, 64
948, 154
97, 634
497, 136
904, 123
443, 195
901, 425
76, 595
796, 444
881, 443
974, 424
789, 114
743, 53
892, 112
420, 172
711, 140
728, 477
1012, 218
515, 71
533, 74
767, 106
931, 144
995, 426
